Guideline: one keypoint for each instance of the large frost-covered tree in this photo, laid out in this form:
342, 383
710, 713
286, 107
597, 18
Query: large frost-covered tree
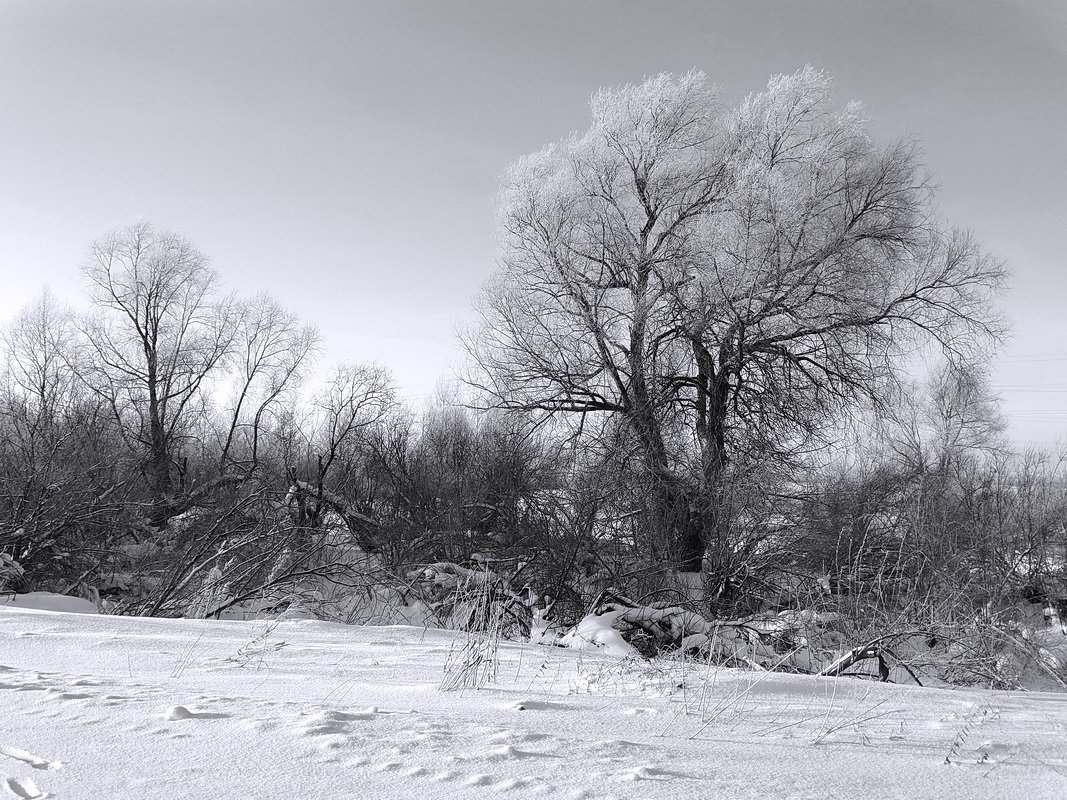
723, 282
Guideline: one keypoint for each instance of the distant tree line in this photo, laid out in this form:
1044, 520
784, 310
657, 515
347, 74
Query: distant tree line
694, 359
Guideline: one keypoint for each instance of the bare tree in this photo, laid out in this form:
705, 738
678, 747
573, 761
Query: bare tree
271, 349
160, 333
61, 484
356, 399
724, 283
39, 345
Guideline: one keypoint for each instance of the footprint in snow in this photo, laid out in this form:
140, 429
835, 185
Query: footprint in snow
341, 716
325, 723
508, 752
537, 705
517, 737
617, 749
26, 789
182, 712
510, 783
652, 774
27, 757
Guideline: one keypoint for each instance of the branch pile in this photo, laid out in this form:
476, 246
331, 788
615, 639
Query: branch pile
792, 641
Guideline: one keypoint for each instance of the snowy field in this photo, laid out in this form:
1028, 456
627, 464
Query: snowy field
122, 707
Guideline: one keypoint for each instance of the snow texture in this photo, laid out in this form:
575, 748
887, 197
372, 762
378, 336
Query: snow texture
98, 706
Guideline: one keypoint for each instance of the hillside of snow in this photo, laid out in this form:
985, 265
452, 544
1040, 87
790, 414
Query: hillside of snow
122, 707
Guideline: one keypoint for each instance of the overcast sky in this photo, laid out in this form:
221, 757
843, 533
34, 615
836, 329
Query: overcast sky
343, 156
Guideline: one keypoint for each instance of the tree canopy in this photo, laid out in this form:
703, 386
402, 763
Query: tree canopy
724, 281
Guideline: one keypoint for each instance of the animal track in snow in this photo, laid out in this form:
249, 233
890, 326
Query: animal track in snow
26, 789
326, 723
516, 737
537, 705
508, 752
257, 725
511, 783
645, 773
616, 749
183, 712
27, 757
638, 712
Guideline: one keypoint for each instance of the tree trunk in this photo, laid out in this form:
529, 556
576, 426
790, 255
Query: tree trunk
158, 468
712, 504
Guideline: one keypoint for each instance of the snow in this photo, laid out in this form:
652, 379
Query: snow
101, 706
48, 601
596, 631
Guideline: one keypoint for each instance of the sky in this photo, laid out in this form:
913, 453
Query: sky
344, 156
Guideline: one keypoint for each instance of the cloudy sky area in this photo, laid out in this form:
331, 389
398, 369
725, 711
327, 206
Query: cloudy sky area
343, 156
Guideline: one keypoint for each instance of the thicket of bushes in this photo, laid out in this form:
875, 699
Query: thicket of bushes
353, 506
691, 370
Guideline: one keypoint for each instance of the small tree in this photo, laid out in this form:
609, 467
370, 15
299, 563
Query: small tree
40, 345
270, 350
355, 401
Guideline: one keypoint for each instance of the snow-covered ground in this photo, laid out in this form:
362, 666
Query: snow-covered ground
121, 707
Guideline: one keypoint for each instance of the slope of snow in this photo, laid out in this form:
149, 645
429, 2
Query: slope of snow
122, 707
48, 601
